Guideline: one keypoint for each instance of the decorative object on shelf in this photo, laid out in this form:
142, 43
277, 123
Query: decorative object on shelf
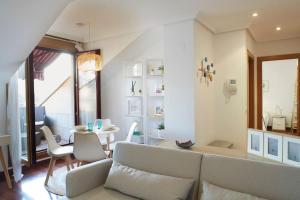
160, 130
133, 83
159, 111
291, 151
255, 142
159, 90
185, 145
279, 123
161, 69
156, 70
134, 70
206, 70
273, 146
140, 92
134, 107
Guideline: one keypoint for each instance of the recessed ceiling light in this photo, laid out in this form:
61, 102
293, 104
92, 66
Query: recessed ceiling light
255, 14
278, 28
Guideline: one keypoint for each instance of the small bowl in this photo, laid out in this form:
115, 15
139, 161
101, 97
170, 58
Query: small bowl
185, 145
80, 128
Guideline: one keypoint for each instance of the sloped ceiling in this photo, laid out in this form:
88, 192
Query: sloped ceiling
109, 18
115, 17
22, 25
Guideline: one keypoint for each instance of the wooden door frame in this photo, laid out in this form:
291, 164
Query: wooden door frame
251, 92
260, 60
30, 112
30, 105
76, 89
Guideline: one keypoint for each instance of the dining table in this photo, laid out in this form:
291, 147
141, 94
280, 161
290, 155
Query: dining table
106, 136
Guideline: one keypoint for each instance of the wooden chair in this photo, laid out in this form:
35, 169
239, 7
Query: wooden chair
4, 140
87, 148
55, 151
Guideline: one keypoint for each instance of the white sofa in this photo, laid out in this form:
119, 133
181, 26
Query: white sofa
267, 180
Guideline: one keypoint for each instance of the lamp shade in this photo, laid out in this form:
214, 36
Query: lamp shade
89, 61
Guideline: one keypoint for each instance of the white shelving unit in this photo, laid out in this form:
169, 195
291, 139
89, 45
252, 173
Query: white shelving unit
155, 99
147, 97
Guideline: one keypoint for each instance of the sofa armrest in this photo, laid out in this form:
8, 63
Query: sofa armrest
87, 177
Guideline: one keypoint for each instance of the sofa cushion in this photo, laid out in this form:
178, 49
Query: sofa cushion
213, 192
266, 180
102, 193
133, 182
169, 162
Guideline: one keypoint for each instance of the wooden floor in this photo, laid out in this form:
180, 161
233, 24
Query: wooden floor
31, 187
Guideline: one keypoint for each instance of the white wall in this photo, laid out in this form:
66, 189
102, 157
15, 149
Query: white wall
3, 113
279, 47
231, 63
180, 81
193, 110
116, 52
2, 108
204, 97
111, 47
281, 76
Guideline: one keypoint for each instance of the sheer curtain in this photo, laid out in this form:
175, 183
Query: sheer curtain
13, 126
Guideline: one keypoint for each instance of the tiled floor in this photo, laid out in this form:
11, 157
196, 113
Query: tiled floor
31, 187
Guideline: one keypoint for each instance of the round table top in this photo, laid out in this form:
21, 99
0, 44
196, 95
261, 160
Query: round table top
101, 132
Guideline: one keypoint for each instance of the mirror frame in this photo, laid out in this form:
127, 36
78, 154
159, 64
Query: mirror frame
260, 60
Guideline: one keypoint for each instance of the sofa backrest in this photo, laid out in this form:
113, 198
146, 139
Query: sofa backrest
177, 163
267, 180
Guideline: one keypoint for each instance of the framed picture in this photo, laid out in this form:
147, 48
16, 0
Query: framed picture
255, 142
273, 146
159, 111
291, 151
278, 123
134, 69
134, 107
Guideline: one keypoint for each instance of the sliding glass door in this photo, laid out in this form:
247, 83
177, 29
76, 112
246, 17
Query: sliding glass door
58, 96
51, 98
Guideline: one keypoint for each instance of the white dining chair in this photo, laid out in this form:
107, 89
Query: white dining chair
131, 131
87, 148
132, 128
105, 123
55, 151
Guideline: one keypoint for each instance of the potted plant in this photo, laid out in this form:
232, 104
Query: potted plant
160, 130
161, 69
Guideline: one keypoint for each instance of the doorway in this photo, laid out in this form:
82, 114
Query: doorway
278, 93
53, 83
56, 96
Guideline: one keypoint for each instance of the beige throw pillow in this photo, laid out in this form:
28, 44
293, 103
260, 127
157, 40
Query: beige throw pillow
147, 185
213, 192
